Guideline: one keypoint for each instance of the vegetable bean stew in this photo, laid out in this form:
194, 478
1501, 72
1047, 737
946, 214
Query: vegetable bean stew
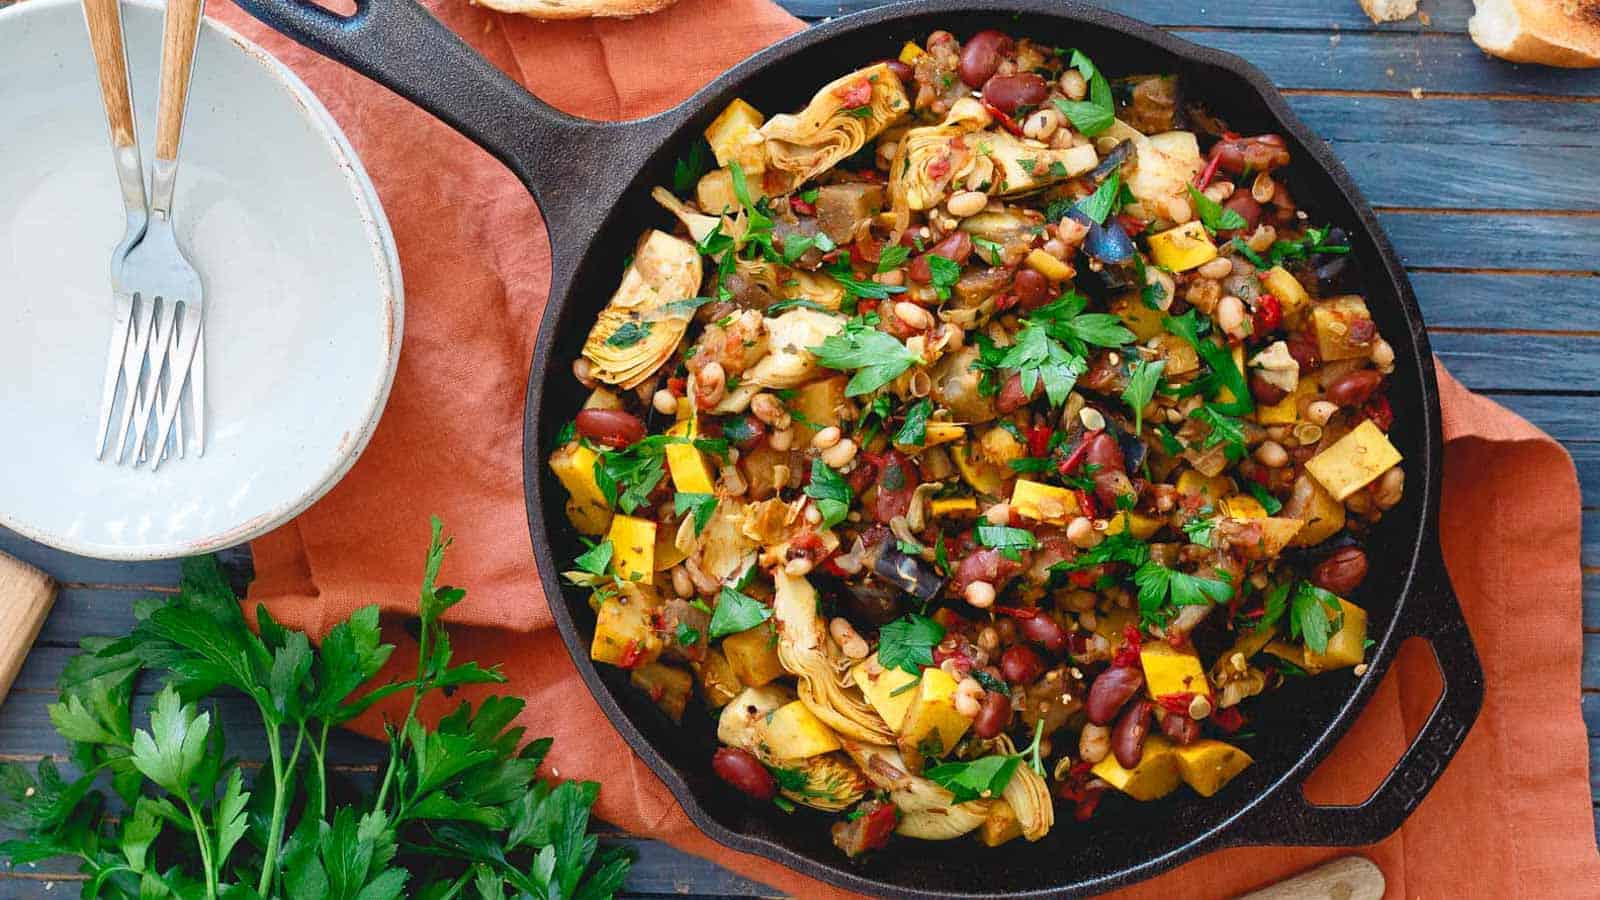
981, 439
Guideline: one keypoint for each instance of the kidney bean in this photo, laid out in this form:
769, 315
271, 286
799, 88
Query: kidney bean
1044, 631
1007, 93
1127, 736
981, 55
1105, 452
1181, 729
1110, 691
1110, 485
1259, 153
611, 427
1031, 288
1303, 347
1021, 664
1265, 392
897, 482
956, 246
1342, 572
741, 769
1353, 388
1245, 205
987, 564
900, 70
1011, 397
993, 717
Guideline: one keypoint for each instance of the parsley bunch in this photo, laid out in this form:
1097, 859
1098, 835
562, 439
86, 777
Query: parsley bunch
458, 806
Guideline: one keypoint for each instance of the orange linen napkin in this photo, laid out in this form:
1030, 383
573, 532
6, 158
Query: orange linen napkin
1510, 817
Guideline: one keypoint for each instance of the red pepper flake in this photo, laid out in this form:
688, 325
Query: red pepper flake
1206, 174
632, 656
1005, 121
657, 692
1087, 505
1039, 439
1176, 703
1128, 653
1228, 720
866, 306
1084, 809
801, 207
939, 168
1016, 612
1083, 578
1006, 301
1379, 411
1269, 314
678, 386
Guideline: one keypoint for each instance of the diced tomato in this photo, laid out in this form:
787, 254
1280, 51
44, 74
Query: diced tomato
1005, 121
939, 168
1379, 411
1176, 703
632, 656
1128, 653
801, 207
1006, 301
1269, 314
1228, 719
869, 831
897, 482
1083, 578
1016, 612
1039, 439
678, 386
855, 94
1076, 457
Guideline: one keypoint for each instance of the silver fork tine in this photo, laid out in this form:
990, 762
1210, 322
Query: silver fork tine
188, 333
104, 21
197, 393
136, 405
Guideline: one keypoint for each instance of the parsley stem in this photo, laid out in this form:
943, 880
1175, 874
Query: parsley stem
281, 774
202, 838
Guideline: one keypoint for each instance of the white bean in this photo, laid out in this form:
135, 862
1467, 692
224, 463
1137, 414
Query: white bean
1094, 743
966, 203
844, 634
969, 697
980, 594
839, 455
826, 438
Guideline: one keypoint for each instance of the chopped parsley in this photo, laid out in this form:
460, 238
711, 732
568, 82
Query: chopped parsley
914, 433
628, 334
1161, 588
596, 559
893, 257
831, 492
701, 505
1309, 620
907, 643
876, 356
1213, 215
687, 637
984, 777
1103, 201
736, 612
1141, 388
1096, 114
943, 274
687, 171
991, 250
1009, 541
1264, 497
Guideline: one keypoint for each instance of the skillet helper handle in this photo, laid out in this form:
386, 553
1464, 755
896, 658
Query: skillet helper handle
1434, 616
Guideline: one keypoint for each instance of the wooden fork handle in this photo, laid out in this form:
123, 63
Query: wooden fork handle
111, 59
178, 37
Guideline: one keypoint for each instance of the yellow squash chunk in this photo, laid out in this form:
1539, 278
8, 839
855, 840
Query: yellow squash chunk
1287, 410
910, 52
1212, 489
1354, 461
984, 477
668, 686
888, 690
1242, 506
817, 405
1154, 777
1180, 355
667, 553
1207, 765
953, 507
793, 732
1001, 825
1324, 515
943, 433
1346, 647
932, 725
1047, 265
1141, 525
1288, 290
1144, 322
1169, 670
718, 683
1044, 502
602, 398
633, 547
1276, 533
1333, 320
729, 135
1182, 248
753, 655
690, 474
623, 633
586, 506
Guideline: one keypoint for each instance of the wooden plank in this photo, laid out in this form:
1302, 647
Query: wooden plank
1312, 60
1565, 418
1270, 14
1470, 176
1518, 362
88, 611
1445, 120
1591, 601
1590, 553
1586, 459
1470, 300
70, 570
1591, 662
1495, 240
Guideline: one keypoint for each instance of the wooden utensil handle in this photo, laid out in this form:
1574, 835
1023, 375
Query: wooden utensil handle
26, 595
178, 37
104, 18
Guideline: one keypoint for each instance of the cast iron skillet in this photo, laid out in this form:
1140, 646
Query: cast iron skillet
592, 179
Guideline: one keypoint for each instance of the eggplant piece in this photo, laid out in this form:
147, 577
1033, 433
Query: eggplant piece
1334, 274
872, 601
1113, 161
1108, 243
842, 209
1133, 449
1103, 283
908, 573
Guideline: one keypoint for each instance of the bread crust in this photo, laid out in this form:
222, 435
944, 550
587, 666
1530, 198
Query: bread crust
558, 10
1564, 33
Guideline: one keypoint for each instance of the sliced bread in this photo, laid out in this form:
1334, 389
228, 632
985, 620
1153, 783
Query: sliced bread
1549, 32
1389, 10
577, 9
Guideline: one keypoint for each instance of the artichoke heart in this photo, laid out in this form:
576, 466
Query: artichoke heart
699, 224
790, 362
1023, 165
640, 328
1028, 794
838, 121
931, 157
786, 283
1164, 165
927, 811
832, 781
806, 652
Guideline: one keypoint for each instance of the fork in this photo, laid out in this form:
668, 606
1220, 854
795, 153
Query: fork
125, 355
156, 268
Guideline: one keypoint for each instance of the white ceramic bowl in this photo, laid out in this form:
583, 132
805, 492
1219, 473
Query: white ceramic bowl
302, 291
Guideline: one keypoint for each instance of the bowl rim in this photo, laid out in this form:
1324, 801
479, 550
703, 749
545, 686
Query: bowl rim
385, 270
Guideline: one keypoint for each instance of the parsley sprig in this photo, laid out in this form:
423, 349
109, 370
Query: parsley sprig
1096, 114
907, 643
876, 356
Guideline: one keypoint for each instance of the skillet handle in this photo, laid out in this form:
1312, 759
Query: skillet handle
1435, 616
400, 45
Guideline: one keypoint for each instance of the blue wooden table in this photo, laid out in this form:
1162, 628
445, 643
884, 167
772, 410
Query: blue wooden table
1486, 175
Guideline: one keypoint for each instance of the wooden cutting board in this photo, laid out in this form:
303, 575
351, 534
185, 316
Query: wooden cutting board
26, 595
1346, 878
